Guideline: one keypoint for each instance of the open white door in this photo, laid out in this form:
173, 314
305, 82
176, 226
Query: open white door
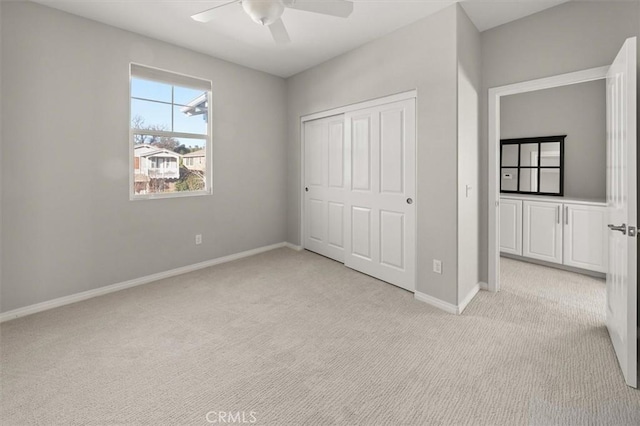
381, 219
622, 302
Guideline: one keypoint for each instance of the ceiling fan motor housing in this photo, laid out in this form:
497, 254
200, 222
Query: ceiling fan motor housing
264, 12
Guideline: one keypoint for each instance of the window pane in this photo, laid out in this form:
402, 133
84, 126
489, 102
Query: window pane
194, 164
550, 181
186, 96
190, 119
529, 154
509, 180
150, 90
550, 155
156, 166
509, 155
166, 165
529, 180
146, 115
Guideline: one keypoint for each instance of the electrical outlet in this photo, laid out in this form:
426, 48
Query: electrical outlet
198, 239
437, 266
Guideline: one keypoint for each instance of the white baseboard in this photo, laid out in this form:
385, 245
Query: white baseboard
434, 301
483, 286
293, 247
472, 293
66, 300
446, 306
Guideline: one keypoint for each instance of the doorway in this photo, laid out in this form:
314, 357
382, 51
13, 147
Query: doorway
621, 200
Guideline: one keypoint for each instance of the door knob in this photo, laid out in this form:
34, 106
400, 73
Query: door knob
622, 228
306, 189
409, 200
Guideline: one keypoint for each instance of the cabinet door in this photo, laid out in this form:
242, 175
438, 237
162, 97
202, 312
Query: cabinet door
511, 226
585, 237
542, 231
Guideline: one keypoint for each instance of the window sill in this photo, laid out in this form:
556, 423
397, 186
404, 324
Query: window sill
179, 194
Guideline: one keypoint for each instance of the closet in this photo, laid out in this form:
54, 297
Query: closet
359, 188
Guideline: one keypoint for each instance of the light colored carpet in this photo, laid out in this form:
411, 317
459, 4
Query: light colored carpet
299, 339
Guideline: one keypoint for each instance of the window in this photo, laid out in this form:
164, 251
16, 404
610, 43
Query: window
532, 165
170, 118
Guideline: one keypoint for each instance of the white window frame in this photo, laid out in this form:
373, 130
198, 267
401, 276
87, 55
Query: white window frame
208, 177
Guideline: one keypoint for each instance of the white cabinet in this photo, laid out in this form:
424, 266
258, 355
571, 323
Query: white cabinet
571, 233
511, 226
542, 231
585, 237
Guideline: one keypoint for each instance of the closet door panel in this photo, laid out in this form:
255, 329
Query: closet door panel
392, 151
324, 191
361, 232
381, 169
361, 153
336, 155
392, 236
336, 225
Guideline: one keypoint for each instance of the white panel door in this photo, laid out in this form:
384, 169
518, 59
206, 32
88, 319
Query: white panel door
585, 237
511, 226
324, 154
381, 221
542, 231
622, 279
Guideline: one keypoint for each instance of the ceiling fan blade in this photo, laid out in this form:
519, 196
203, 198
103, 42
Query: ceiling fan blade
208, 14
279, 32
339, 8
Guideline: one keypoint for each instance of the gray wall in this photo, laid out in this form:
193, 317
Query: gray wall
469, 87
570, 37
1, 119
67, 220
420, 56
578, 111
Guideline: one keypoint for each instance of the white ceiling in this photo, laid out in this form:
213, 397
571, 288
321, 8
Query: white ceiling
315, 38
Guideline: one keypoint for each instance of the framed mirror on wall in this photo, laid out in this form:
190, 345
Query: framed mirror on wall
532, 165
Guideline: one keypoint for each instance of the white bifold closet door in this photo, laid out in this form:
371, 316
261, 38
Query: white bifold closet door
380, 228
325, 186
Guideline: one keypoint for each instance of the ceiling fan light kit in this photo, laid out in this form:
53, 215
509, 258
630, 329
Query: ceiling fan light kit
269, 12
263, 12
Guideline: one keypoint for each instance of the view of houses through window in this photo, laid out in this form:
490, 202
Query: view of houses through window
169, 127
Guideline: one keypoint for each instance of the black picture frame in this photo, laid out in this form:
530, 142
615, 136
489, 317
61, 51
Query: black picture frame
539, 141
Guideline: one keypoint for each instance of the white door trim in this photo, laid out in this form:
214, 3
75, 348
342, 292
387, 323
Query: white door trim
411, 94
495, 94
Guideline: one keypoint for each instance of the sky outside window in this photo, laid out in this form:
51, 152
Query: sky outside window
163, 110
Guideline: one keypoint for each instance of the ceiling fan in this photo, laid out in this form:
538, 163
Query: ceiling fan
269, 12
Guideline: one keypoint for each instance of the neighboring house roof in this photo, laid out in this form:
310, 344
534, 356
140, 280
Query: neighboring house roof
198, 153
153, 151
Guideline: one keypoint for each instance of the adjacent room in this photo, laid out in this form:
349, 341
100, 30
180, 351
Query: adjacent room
553, 177
318, 212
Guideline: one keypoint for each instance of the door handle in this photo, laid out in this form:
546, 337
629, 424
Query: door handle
306, 189
558, 214
566, 215
622, 228
409, 200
